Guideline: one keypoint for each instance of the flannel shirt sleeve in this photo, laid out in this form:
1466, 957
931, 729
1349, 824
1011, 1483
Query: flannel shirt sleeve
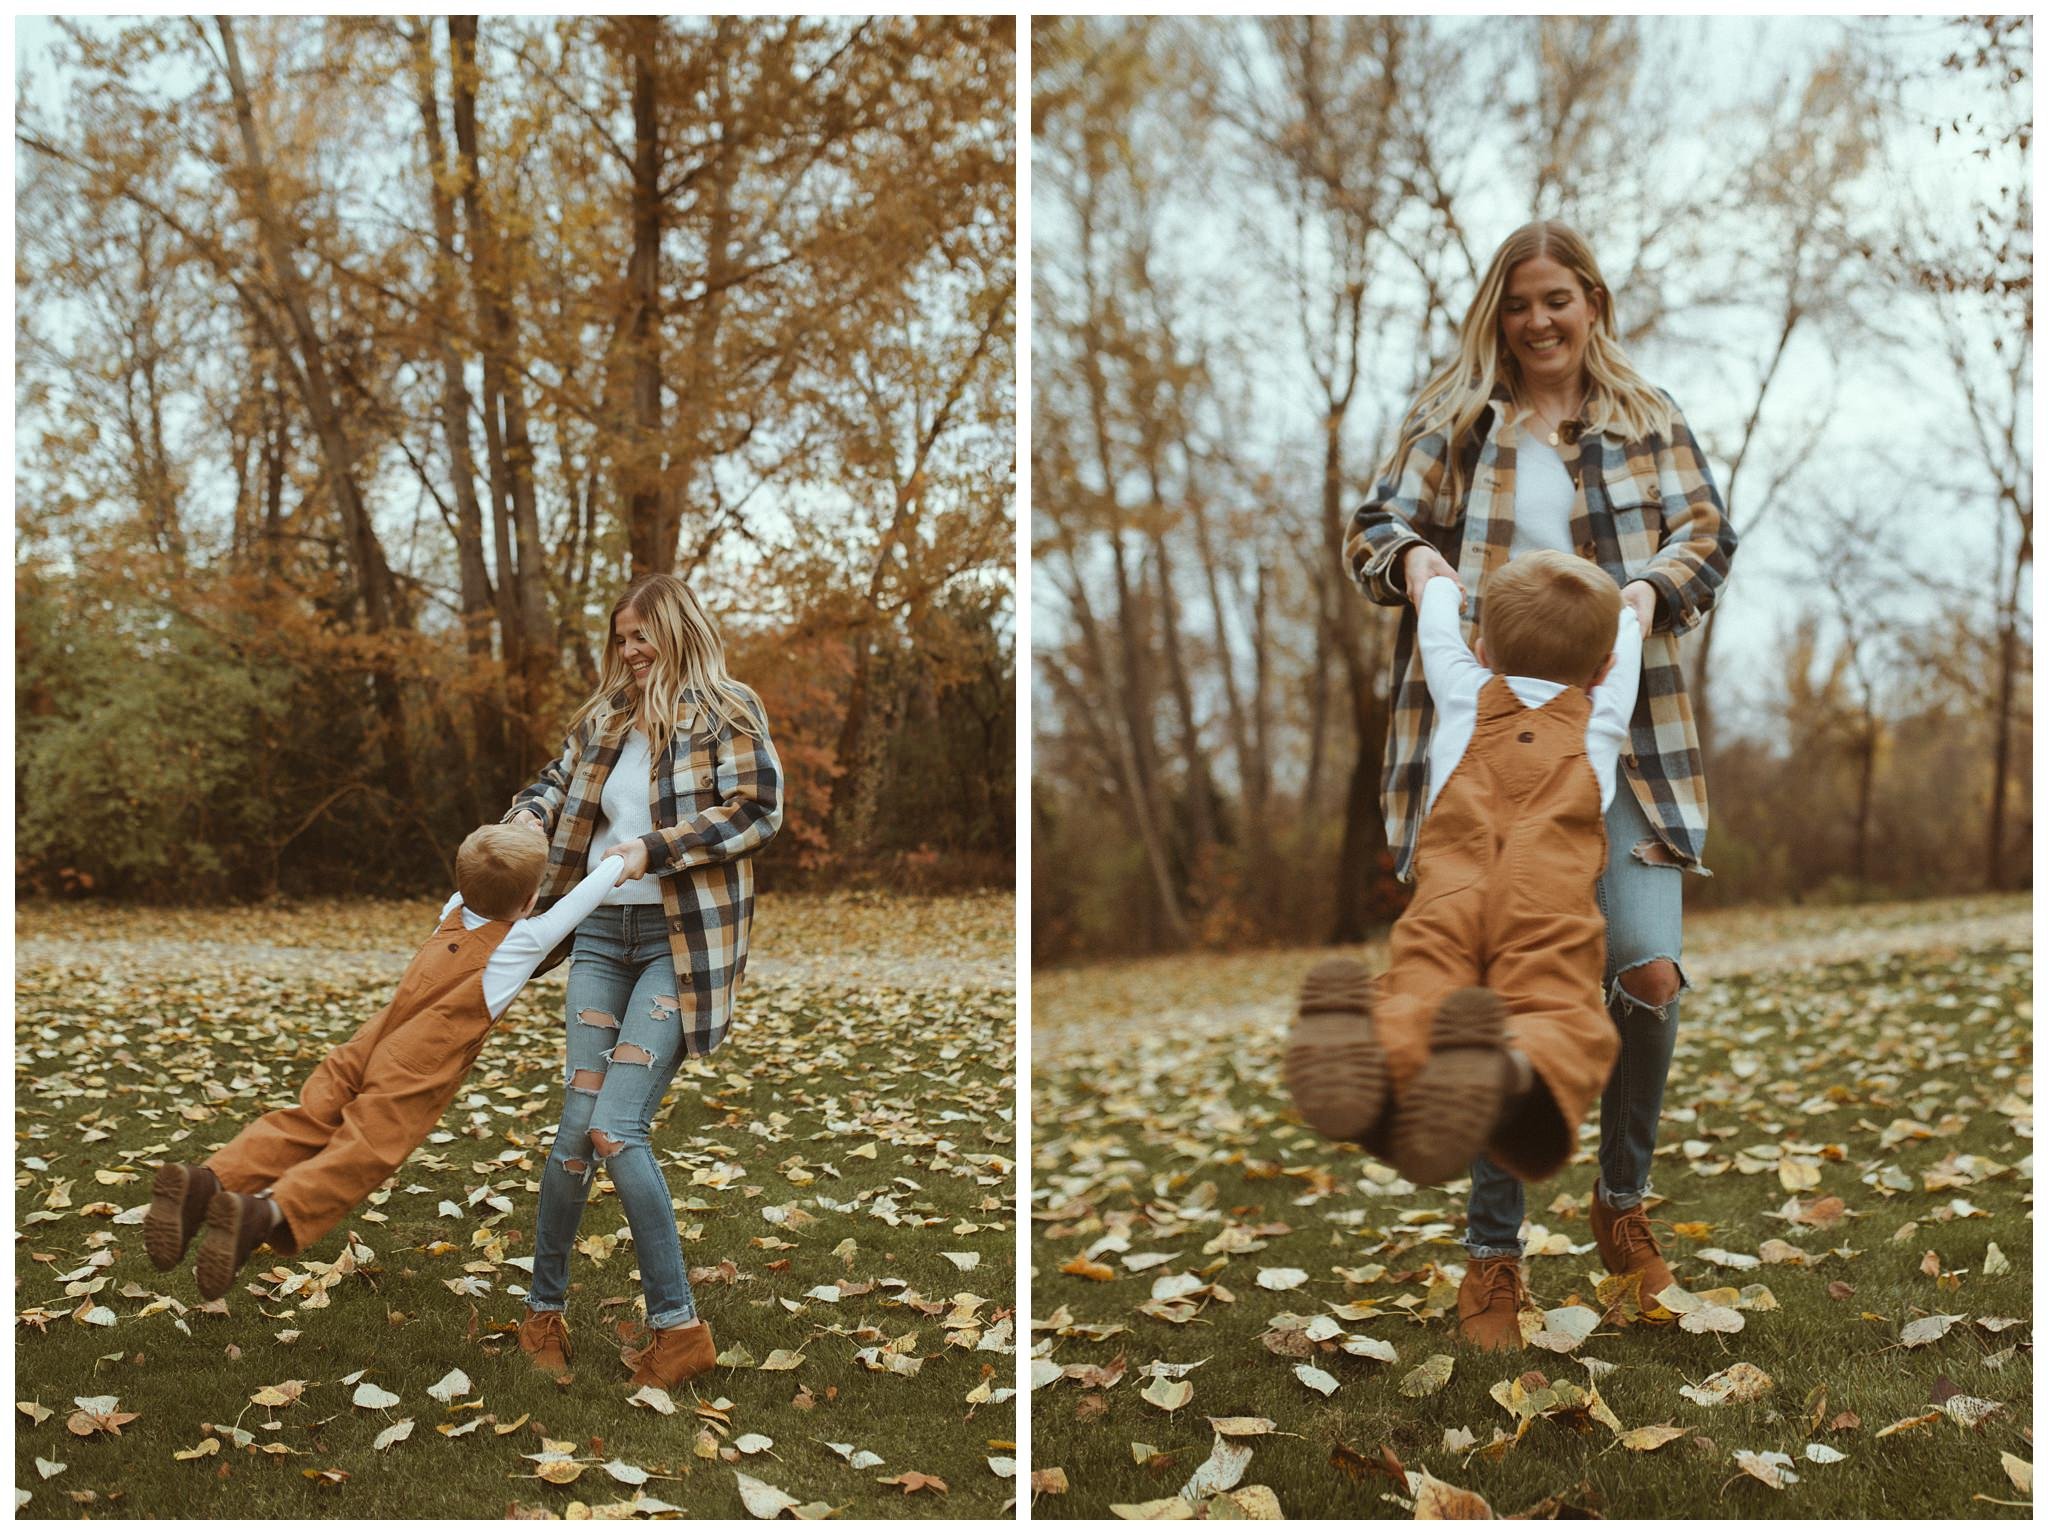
545, 794
743, 822
1699, 540
1384, 529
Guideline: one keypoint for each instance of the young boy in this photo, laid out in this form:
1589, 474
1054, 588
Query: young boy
291, 1175
1488, 1031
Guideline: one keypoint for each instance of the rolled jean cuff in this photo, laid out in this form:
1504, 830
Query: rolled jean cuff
1616, 1199
1479, 1252
680, 1316
537, 1306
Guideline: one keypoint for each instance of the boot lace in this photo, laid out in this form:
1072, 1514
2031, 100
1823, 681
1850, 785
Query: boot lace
1503, 1280
1631, 1233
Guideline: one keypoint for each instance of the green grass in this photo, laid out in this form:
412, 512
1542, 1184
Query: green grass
1173, 1127
118, 1069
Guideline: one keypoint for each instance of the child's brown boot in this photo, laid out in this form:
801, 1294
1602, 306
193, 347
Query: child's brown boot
1628, 1247
544, 1339
177, 1209
1490, 1301
1336, 1071
236, 1225
1446, 1114
677, 1354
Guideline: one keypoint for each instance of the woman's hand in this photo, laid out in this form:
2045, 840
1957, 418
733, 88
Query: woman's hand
530, 819
635, 854
1421, 565
1642, 596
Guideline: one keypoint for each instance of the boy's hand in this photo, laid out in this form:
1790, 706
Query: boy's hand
635, 854
1641, 596
530, 819
1421, 565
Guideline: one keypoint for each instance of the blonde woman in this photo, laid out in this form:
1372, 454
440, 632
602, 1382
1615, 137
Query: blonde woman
668, 765
1539, 434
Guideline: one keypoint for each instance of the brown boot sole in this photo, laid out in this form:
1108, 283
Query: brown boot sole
164, 1233
1445, 1117
219, 1248
1335, 1069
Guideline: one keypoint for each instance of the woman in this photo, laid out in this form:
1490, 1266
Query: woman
668, 764
1540, 435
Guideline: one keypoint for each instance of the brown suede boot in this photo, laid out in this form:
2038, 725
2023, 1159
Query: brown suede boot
677, 1354
1445, 1116
1336, 1072
1628, 1247
544, 1339
1490, 1301
177, 1209
236, 1225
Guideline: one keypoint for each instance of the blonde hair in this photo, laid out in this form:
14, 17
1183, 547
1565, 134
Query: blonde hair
1549, 614
689, 662
1451, 401
498, 868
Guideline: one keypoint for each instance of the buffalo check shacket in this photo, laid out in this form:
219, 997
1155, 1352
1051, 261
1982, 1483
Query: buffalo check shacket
716, 798
1643, 510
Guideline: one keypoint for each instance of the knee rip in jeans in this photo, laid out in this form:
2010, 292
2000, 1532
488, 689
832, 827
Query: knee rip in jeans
584, 1080
1656, 854
1653, 984
604, 1145
597, 1019
619, 1055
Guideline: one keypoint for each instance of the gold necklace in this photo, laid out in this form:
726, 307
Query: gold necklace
1558, 427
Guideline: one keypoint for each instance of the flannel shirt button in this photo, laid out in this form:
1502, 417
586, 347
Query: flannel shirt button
705, 780
1630, 759
1587, 551
1526, 736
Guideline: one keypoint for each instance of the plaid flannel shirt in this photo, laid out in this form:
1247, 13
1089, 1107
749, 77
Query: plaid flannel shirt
1643, 511
716, 798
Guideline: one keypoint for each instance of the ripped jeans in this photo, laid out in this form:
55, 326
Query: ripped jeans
1645, 921
625, 1043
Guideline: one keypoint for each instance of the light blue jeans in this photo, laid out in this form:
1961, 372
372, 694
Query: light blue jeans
1645, 920
625, 1044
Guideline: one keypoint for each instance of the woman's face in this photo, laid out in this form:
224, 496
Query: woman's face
634, 645
1545, 318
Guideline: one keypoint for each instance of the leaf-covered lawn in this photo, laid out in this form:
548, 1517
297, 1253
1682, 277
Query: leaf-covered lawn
842, 1171
1844, 1177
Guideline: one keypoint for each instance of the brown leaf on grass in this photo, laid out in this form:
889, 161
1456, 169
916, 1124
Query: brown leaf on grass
98, 1415
1356, 1466
1840, 1289
913, 1481
1906, 1424
1087, 1268
1651, 1436
1440, 1500
1090, 1407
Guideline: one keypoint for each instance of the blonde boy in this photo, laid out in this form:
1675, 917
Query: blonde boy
289, 1176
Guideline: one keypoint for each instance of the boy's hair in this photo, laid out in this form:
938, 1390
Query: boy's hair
1551, 615
498, 867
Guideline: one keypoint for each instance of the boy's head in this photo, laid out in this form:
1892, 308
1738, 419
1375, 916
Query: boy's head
1551, 615
498, 869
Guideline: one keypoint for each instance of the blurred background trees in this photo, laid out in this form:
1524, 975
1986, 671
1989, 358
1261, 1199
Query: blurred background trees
1253, 238
362, 361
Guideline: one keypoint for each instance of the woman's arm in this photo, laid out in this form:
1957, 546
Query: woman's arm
541, 800
1699, 541
1383, 530
743, 822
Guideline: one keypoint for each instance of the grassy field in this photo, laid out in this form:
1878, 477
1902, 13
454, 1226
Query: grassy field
1853, 1135
842, 1172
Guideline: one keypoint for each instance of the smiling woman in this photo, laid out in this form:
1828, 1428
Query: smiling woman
669, 766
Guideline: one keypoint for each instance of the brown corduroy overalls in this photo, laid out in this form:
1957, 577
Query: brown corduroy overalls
1506, 867
373, 1100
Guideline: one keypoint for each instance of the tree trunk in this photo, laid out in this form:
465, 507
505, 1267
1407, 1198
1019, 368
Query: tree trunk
1201, 795
373, 575
486, 717
650, 530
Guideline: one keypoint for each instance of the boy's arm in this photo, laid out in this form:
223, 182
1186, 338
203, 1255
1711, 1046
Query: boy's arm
559, 920
742, 822
1614, 701
1448, 664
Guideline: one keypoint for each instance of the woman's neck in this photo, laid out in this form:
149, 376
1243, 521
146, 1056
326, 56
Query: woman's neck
1557, 402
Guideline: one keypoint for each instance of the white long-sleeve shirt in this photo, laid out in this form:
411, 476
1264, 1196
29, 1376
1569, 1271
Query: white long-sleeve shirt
512, 964
1455, 678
